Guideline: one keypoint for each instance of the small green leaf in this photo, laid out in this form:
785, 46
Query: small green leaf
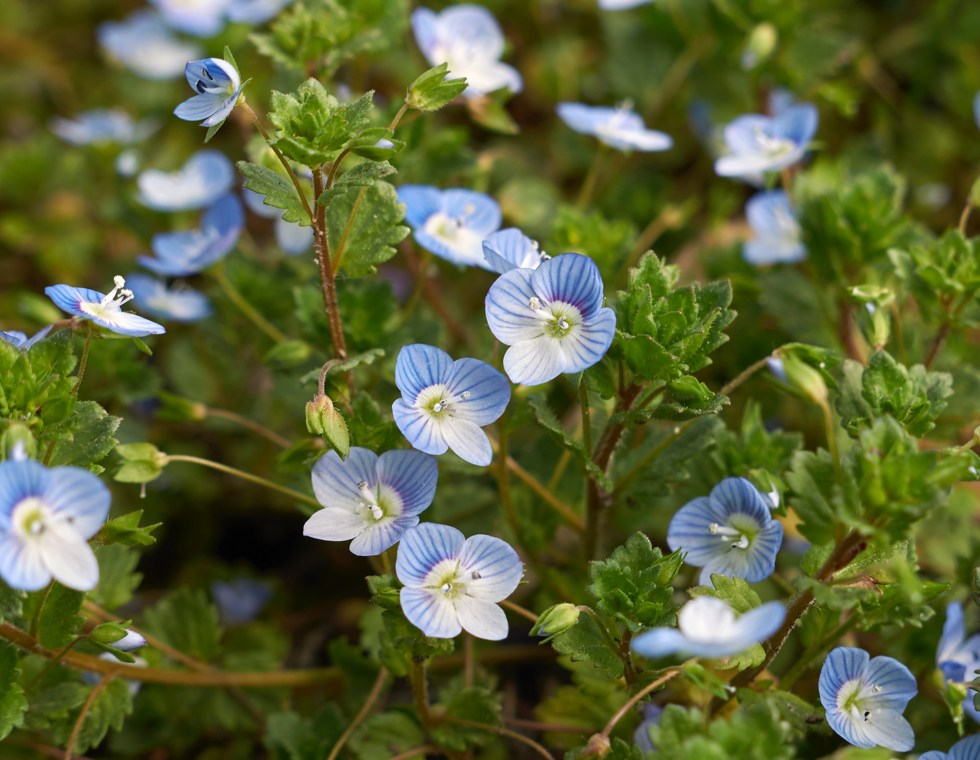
13, 702
278, 191
431, 90
363, 226
127, 530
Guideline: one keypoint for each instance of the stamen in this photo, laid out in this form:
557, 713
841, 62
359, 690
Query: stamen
727, 534
867, 714
446, 588
475, 575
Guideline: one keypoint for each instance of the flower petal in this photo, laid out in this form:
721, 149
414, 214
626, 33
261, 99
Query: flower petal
430, 611
482, 619
68, 557
335, 524
570, 278
79, 497
22, 565
336, 481
508, 308
797, 123
200, 106
660, 642
420, 366
68, 298
424, 547
125, 323
477, 212
509, 249
421, 201
536, 361
488, 389
757, 625
413, 475
843, 664
891, 684
426, 33
491, 568
376, 538
467, 441
588, 343
419, 428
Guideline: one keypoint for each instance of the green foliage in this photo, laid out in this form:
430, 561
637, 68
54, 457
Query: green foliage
755, 731
585, 642
385, 735
914, 397
118, 578
475, 704
606, 241
126, 529
83, 438
363, 226
943, 276
547, 419
431, 90
289, 736
142, 463
742, 598
634, 584
109, 711
278, 191
13, 701
188, 622
58, 623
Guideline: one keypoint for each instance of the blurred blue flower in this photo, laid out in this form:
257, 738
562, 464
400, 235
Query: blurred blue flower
370, 499
217, 85
452, 224
46, 519
864, 699
964, 749
776, 232
20, 340
622, 5
758, 144
179, 304
641, 736
453, 585
102, 125
445, 403
179, 254
104, 310
201, 18
618, 128
707, 627
205, 177
468, 38
512, 249
144, 44
255, 11
291, 237
730, 532
976, 109
552, 318
958, 657
240, 600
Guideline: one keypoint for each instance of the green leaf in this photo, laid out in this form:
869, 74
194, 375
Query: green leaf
385, 735
13, 702
11, 602
476, 704
547, 419
431, 91
83, 439
584, 642
489, 112
362, 175
634, 584
142, 462
118, 578
686, 398
59, 622
109, 711
279, 192
187, 621
126, 529
736, 591
363, 226
289, 736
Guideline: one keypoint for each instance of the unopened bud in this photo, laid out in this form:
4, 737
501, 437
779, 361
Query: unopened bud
17, 443
805, 380
597, 746
760, 45
323, 419
556, 620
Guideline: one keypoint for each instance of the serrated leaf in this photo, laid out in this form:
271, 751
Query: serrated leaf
584, 642
279, 192
551, 423
13, 702
108, 711
363, 226
362, 175
476, 704
187, 621
126, 530
59, 622
385, 735
431, 90
84, 438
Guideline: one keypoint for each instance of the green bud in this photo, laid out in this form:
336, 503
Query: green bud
178, 409
804, 379
759, 45
142, 462
17, 436
556, 620
597, 746
432, 90
107, 633
323, 419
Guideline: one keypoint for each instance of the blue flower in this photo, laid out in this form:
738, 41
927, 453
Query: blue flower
618, 128
177, 304
102, 126
179, 254
444, 403
776, 231
957, 656
468, 38
552, 318
217, 85
452, 224
707, 627
452, 584
641, 736
964, 749
46, 519
104, 310
240, 600
291, 237
201, 18
976, 108
370, 499
20, 340
205, 177
130, 642
759, 144
512, 249
146, 46
731, 532
255, 11
864, 699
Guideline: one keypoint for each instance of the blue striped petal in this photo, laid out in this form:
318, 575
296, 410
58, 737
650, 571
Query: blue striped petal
511, 249
688, 530
336, 481
893, 684
490, 568
377, 538
965, 749
536, 361
419, 428
480, 618
420, 366
413, 475
421, 202
68, 298
508, 308
21, 565
570, 278
478, 212
424, 547
584, 346
488, 389
77, 496
19, 480
467, 441
430, 611
200, 106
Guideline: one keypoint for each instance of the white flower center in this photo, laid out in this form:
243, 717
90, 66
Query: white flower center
439, 402
726, 533
558, 317
453, 232
773, 146
111, 303
379, 502
29, 517
850, 699
706, 619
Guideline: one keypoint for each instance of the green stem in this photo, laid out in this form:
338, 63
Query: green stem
218, 272
379, 685
282, 159
83, 363
583, 400
420, 693
297, 495
591, 177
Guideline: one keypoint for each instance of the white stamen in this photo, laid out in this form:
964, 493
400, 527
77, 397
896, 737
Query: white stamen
446, 588
726, 534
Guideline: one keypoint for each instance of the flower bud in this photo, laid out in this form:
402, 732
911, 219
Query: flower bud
17, 443
759, 45
323, 419
556, 620
108, 633
806, 380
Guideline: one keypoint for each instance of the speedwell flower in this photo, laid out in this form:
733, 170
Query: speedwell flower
775, 230
291, 237
707, 627
444, 403
964, 749
180, 304
104, 309
957, 656
468, 38
46, 519
20, 340
552, 318
179, 254
512, 249
201, 18
241, 599
729, 532
452, 224
144, 45
205, 177
864, 698
217, 85
370, 499
452, 584
102, 125
255, 11
758, 144
618, 128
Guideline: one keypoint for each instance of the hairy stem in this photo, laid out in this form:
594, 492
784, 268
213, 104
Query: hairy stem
255, 427
282, 159
83, 713
636, 698
328, 281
